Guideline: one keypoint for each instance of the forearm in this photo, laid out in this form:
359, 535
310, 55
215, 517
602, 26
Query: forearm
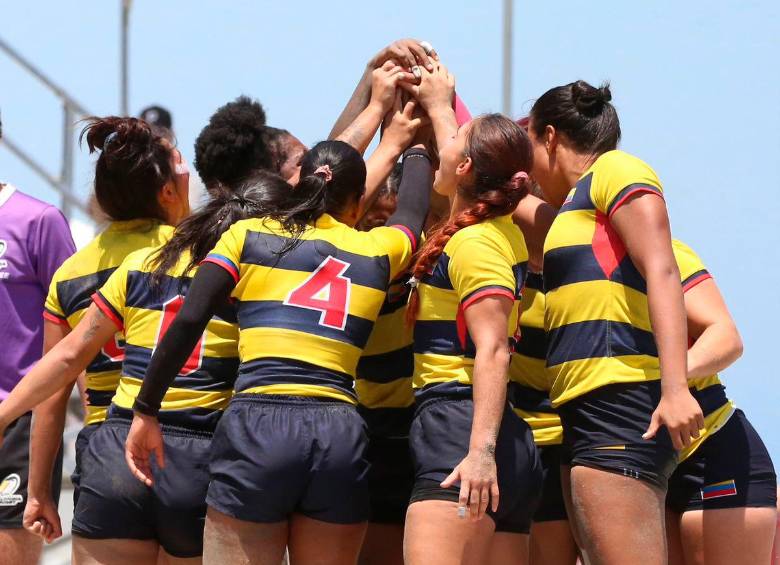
714, 350
356, 104
45, 440
489, 394
445, 126
534, 217
414, 193
667, 318
378, 168
361, 131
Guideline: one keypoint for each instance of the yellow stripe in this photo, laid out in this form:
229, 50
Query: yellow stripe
175, 398
95, 415
529, 371
395, 394
705, 382
575, 227
712, 423
432, 368
611, 447
301, 390
107, 380
545, 426
574, 303
390, 333
437, 304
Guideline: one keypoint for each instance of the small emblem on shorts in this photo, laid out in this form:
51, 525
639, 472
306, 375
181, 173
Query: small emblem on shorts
717, 490
8, 488
632, 473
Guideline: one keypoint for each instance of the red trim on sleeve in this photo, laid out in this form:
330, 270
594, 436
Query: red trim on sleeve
630, 193
409, 234
49, 317
491, 291
229, 267
106, 308
693, 282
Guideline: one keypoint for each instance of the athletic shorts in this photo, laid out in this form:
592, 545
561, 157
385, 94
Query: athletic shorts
113, 504
275, 456
14, 468
82, 441
439, 440
603, 430
730, 469
390, 479
551, 506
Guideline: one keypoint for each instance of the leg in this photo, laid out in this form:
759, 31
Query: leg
383, 545
114, 551
20, 546
621, 519
313, 542
566, 487
164, 558
509, 549
673, 539
728, 535
552, 543
434, 534
228, 540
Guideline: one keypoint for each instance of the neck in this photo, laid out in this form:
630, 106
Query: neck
457, 205
574, 166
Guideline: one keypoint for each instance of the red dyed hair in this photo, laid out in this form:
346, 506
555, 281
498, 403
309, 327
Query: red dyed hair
501, 158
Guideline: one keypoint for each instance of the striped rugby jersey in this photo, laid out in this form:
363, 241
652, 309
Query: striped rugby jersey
489, 258
306, 316
529, 383
597, 317
144, 313
75, 282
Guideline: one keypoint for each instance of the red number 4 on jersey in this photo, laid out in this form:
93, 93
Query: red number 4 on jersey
326, 291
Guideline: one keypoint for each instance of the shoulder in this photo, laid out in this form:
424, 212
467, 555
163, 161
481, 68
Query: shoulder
688, 261
500, 235
621, 167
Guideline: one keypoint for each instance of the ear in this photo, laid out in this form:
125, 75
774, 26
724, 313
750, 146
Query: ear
168, 195
464, 167
550, 139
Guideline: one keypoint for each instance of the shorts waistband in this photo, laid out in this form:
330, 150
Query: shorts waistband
288, 400
168, 429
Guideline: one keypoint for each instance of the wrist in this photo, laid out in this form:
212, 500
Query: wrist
376, 109
440, 110
145, 411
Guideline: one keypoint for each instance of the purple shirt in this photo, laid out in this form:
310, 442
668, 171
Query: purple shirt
34, 241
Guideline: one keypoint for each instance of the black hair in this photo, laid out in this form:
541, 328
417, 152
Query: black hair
393, 183
315, 195
234, 144
133, 166
198, 234
581, 112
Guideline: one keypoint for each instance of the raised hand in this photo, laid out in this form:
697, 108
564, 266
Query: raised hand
408, 53
384, 83
436, 89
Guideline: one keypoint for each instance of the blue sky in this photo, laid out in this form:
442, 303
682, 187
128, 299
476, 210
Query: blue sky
696, 84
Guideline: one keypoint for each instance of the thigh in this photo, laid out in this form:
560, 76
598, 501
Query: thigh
673, 539
238, 542
434, 534
621, 519
114, 551
509, 549
552, 543
383, 545
323, 543
19, 547
729, 535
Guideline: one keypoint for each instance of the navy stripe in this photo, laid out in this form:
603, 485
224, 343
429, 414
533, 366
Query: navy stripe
695, 275
215, 373
440, 276
577, 263
468, 297
198, 419
529, 399
274, 370
710, 398
275, 314
76, 294
598, 338
534, 281
627, 190
532, 343
102, 364
307, 255
397, 296
441, 337
99, 397
387, 367
520, 271
449, 389
581, 199
388, 422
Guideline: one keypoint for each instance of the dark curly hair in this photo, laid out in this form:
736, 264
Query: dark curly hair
234, 144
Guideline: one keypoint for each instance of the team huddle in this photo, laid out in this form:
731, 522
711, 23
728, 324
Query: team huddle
481, 344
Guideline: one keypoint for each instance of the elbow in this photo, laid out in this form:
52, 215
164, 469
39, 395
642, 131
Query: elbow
737, 346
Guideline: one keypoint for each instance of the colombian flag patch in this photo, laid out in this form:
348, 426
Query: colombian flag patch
717, 490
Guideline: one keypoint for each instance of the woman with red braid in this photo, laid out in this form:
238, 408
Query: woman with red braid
473, 456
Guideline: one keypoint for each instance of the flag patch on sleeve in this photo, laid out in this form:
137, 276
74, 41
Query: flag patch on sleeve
717, 490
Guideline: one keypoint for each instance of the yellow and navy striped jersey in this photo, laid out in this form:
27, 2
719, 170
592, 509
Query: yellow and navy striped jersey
529, 382
306, 315
384, 372
596, 317
75, 282
489, 258
144, 313
708, 391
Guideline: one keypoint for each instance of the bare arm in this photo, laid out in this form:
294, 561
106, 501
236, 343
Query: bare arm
534, 217
643, 225
717, 343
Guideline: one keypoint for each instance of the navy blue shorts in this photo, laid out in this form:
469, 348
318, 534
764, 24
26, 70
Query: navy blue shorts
82, 441
730, 469
390, 479
603, 430
275, 456
14, 471
113, 504
552, 506
439, 440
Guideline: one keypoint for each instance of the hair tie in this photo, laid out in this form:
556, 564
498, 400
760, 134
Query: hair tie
413, 282
327, 174
109, 138
520, 178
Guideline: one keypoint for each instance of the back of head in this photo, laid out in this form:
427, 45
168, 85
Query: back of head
582, 113
133, 166
234, 144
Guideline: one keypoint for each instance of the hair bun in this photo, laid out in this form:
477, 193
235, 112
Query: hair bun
589, 100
